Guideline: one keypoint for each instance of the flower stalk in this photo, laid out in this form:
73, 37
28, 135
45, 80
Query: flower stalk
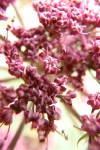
16, 137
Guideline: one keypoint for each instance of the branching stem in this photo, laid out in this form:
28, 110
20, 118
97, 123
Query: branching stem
7, 80
12, 144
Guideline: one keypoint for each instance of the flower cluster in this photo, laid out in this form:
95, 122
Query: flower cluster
59, 16
3, 6
7, 96
49, 57
94, 56
58, 54
50, 65
68, 22
56, 16
13, 60
42, 94
74, 63
92, 126
30, 41
94, 101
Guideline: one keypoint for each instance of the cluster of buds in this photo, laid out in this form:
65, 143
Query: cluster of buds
91, 124
49, 57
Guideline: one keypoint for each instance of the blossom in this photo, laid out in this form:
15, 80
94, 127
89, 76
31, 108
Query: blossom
13, 59
50, 65
3, 6
49, 57
56, 16
6, 116
30, 41
90, 125
94, 101
42, 93
7, 96
60, 16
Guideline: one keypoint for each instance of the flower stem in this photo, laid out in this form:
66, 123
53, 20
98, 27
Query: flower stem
93, 76
7, 80
2, 37
18, 15
73, 111
13, 143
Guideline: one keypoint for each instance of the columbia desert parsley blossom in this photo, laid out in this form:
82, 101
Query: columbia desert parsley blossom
52, 61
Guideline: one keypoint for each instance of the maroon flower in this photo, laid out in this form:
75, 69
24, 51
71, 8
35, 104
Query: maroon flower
50, 65
30, 41
95, 144
90, 125
46, 58
5, 3
6, 116
45, 126
3, 6
56, 17
13, 59
7, 95
94, 101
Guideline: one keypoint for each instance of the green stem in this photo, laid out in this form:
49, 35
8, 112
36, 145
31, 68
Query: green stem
13, 143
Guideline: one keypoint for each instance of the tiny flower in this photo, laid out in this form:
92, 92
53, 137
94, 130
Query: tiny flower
50, 65
67, 99
6, 116
94, 101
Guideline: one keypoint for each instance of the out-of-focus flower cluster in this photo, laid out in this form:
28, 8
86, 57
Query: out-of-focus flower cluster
3, 6
94, 101
91, 124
